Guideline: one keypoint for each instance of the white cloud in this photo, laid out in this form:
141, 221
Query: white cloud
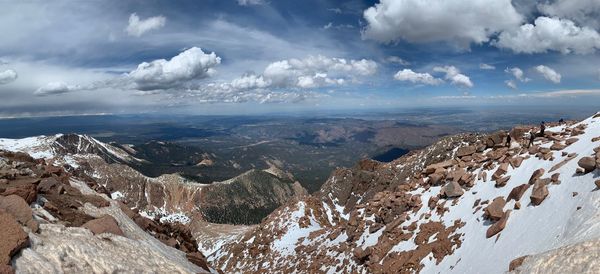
548, 34
250, 2
459, 22
317, 71
511, 84
599, 74
454, 76
548, 73
397, 60
335, 10
189, 65
417, 78
486, 66
8, 76
583, 12
54, 88
137, 27
331, 25
517, 73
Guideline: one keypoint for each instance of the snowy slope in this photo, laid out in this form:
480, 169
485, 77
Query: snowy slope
532, 229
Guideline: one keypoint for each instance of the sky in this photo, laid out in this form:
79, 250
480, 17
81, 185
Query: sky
259, 56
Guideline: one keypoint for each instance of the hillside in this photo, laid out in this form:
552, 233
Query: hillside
466, 204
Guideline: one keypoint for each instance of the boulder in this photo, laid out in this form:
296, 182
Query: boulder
516, 161
571, 141
536, 175
539, 193
502, 181
47, 185
517, 192
557, 146
597, 182
514, 264
12, 236
465, 151
502, 169
495, 210
452, 189
26, 191
104, 224
587, 163
198, 259
20, 210
554, 178
436, 179
498, 226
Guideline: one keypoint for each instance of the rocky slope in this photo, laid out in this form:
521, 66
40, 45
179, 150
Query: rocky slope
466, 204
245, 199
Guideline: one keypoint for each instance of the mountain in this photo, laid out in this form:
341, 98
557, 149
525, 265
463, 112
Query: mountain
466, 204
469, 203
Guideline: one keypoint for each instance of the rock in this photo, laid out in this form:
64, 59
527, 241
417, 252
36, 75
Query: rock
495, 210
47, 185
465, 151
20, 210
452, 189
539, 193
517, 192
558, 146
198, 259
6, 269
516, 161
536, 175
517, 205
27, 191
597, 182
554, 178
514, 264
104, 224
579, 170
502, 181
502, 169
587, 163
13, 237
571, 141
498, 226
436, 179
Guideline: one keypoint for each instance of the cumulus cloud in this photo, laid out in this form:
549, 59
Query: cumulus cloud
8, 76
486, 66
548, 73
317, 71
437, 21
189, 65
54, 88
417, 78
517, 73
583, 12
250, 2
397, 60
454, 76
137, 27
550, 34
511, 84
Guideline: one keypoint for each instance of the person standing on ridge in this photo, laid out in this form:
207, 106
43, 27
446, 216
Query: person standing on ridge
508, 140
542, 128
531, 138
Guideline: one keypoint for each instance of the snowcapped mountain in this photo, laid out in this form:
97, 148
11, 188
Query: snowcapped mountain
466, 204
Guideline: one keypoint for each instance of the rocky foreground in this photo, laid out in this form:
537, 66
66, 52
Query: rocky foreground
467, 204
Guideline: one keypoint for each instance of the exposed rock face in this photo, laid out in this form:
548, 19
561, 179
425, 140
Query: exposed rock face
104, 224
19, 209
13, 237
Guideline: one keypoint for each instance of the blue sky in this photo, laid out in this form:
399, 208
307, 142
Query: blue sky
252, 56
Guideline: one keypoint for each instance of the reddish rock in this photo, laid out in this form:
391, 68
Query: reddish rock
436, 179
587, 163
517, 205
498, 226
495, 210
27, 191
104, 224
6, 269
554, 178
502, 181
539, 193
571, 141
198, 259
452, 189
536, 175
517, 192
48, 184
597, 182
558, 146
514, 264
516, 161
20, 210
464, 151
12, 236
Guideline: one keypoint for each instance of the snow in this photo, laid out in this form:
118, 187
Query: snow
116, 195
532, 229
37, 147
287, 243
